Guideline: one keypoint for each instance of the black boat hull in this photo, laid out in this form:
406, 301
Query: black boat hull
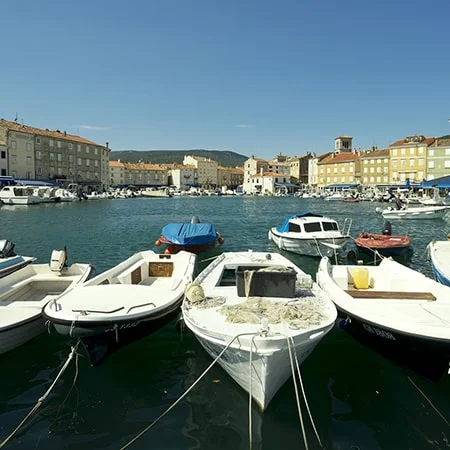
426, 357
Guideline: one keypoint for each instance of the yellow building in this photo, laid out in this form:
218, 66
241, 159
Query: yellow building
375, 167
137, 174
408, 159
341, 168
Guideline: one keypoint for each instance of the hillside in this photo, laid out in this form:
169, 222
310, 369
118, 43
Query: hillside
224, 158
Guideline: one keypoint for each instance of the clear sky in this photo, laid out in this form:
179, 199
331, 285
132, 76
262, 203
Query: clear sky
252, 76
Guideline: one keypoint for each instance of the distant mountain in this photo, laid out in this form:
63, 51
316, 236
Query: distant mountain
224, 158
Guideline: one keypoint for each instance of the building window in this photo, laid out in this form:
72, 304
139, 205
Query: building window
431, 164
365, 169
430, 152
403, 163
96, 150
3, 172
421, 149
96, 163
70, 145
78, 148
87, 148
447, 151
366, 162
421, 162
58, 144
52, 156
403, 151
394, 152
28, 146
386, 161
447, 164
59, 171
29, 161
411, 162
411, 151
88, 162
38, 141
51, 143
79, 161
3, 154
71, 158
39, 171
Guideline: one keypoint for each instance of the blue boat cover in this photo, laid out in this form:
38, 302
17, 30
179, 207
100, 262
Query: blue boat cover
189, 233
285, 227
11, 262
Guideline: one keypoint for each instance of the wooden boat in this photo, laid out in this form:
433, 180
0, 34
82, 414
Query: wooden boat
310, 234
439, 254
9, 261
194, 237
395, 310
26, 291
123, 304
384, 244
259, 306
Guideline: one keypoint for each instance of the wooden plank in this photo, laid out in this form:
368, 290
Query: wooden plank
391, 295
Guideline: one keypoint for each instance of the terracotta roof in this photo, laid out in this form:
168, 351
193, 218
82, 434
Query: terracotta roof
402, 143
180, 166
269, 174
143, 166
339, 158
375, 154
116, 164
13, 126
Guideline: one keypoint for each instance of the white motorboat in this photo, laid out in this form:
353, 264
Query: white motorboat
257, 307
65, 195
19, 195
420, 212
336, 196
9, 261
395, 310
435, 200
311, 234
123, 304
25, 292
439, 254
156, 193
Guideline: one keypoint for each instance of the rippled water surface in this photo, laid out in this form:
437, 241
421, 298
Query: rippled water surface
358, 399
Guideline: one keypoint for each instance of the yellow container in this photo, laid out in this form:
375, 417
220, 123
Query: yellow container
361, 278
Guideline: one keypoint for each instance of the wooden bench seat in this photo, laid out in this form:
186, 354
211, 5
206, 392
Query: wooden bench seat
391, 295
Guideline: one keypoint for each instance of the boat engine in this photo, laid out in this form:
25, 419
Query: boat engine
58, 260
6, 248
387, 229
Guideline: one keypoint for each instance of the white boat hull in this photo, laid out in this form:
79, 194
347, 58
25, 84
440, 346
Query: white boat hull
270, 368
20, 334
430, 212
309, 247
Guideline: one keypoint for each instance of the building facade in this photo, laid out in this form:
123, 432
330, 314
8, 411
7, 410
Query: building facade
3, 152
137, 174
375, 167
183, 176
408, 159
438, 159
230, 177
206, 170
38, 154
340, 168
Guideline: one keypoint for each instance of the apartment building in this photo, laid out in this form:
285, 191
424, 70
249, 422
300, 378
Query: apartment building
299, 168
137, 174
375, 167
3, 152
206, 170
339, 168
438, 158
230, 177
39, 154
408, 158
182, 175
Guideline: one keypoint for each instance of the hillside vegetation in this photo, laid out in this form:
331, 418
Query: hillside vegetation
224, 158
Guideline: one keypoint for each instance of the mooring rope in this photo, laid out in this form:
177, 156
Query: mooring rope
42, 399
250, 434
430, 402
128, 444
304, 396
297, 397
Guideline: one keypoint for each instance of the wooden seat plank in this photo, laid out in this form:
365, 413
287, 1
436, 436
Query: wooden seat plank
393, 295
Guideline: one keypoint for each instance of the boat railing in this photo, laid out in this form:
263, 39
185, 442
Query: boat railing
347, 226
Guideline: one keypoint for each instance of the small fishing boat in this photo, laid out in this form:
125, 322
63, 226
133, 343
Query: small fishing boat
156, 193
9, 261
395, 310
439, 254
194, 237
123, 304
25, 292
420, 212
257, 308
384, 244
310, 234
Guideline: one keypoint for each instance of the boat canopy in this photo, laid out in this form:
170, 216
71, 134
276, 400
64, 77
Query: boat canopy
442, 182
285, 227
189, 233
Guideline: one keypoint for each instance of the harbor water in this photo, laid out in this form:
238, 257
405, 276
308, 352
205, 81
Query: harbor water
358, 399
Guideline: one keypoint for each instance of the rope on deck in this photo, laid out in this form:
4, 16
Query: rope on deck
42, 399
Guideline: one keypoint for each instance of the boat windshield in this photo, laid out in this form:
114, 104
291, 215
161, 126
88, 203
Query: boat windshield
312, 226
330, 226
294, 227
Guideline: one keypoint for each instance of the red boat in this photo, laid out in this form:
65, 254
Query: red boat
351, 200
384, 244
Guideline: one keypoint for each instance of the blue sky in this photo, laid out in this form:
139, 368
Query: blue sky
255, 77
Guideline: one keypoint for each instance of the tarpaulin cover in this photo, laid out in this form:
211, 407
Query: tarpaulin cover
285, 227
189, 233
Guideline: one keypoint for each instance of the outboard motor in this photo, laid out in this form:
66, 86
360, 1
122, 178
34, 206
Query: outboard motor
195, 219
58, 260
6, 248
387, 229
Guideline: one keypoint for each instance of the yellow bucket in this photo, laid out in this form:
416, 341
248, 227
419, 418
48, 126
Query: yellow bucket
361, 278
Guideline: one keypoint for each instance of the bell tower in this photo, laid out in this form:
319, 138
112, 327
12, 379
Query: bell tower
343, 144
